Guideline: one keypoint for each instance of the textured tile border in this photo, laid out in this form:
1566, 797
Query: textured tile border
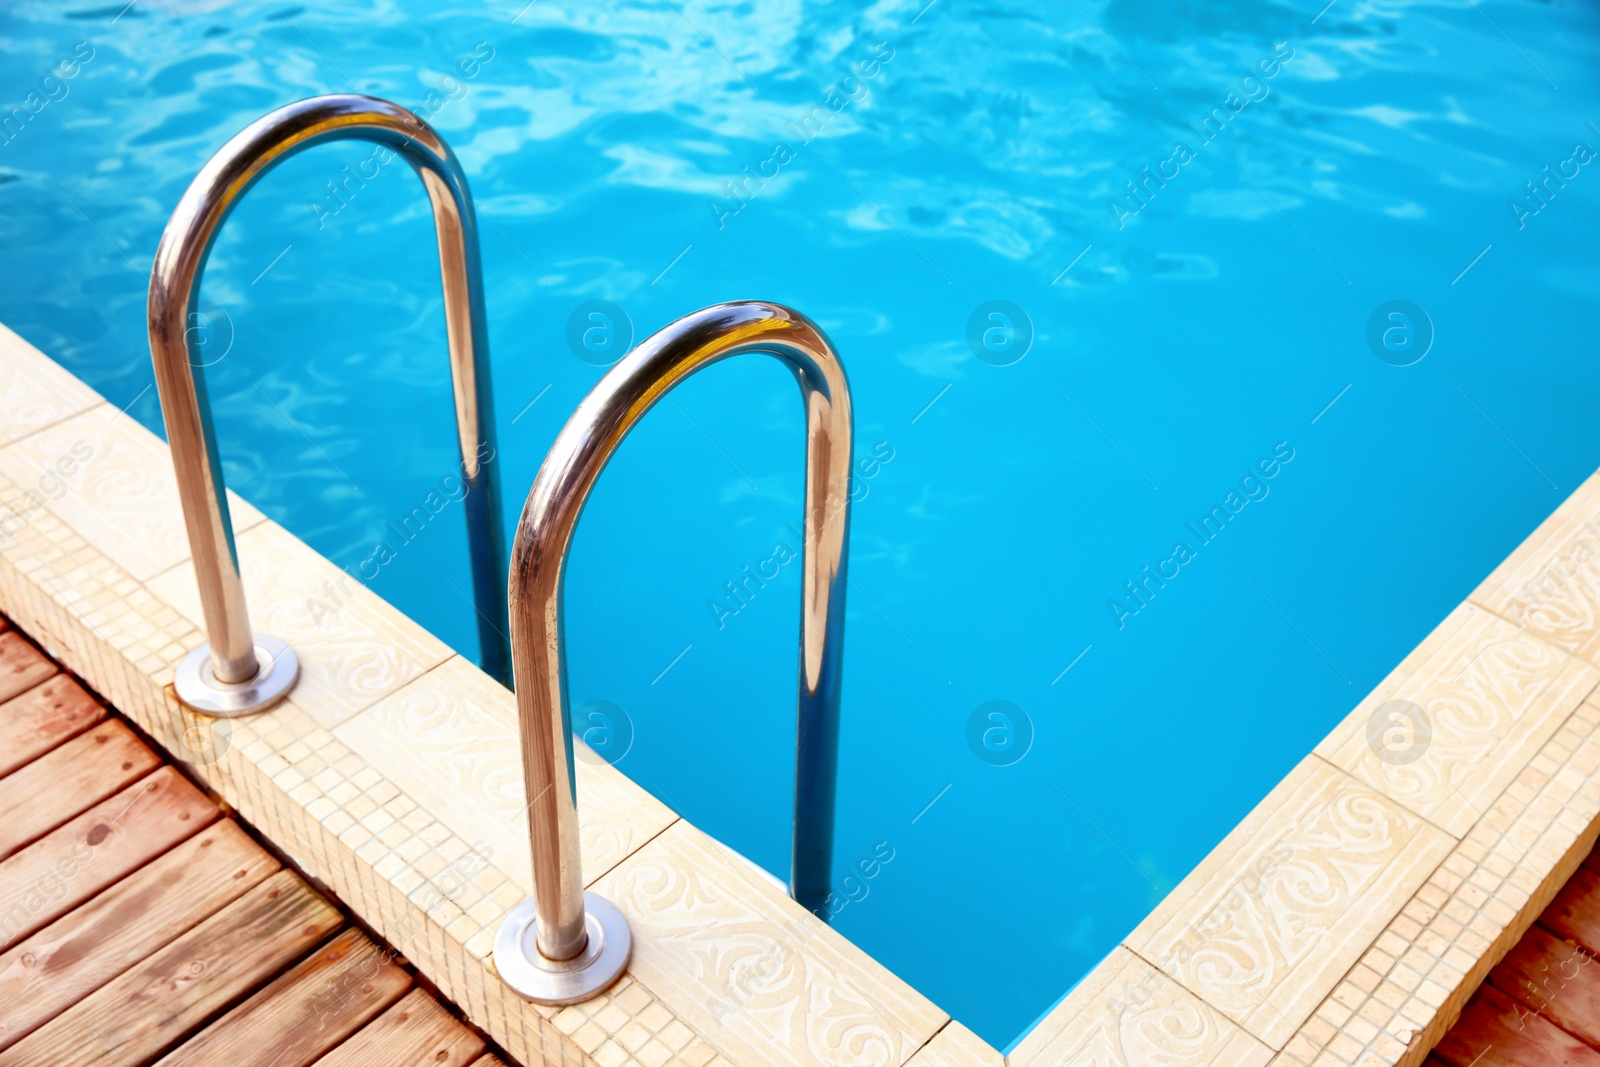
1349, 917
1345, 921
390, 775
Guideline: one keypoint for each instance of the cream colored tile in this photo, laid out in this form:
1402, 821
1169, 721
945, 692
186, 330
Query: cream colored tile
1277, 913
1411, 984
111, 480
956, 1046
1489, 696
1300, 906
1550, 585
741, 963
1125, 1013
35, 391
449, 739
351, 656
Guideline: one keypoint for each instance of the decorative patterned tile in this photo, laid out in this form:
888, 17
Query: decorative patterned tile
350, 656
1410, 984
35, 391
753, 970
1456, 721
1325, 927
1550, 585
405, 871
449, 739
1126, 1013
956, 1046
111, 480
1277, 913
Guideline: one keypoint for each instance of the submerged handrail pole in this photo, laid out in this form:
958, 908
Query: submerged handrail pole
566, 945
238, 672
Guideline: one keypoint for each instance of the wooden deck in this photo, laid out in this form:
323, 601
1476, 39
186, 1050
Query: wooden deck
140, 924
1541, 1005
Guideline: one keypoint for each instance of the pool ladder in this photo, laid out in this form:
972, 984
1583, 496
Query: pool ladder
237, 672
563, 945
566, 945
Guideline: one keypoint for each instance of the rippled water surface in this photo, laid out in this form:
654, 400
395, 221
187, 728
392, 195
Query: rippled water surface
908, 165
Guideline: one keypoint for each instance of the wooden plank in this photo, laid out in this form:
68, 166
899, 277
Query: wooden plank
21, 665
323, 1000
60, 784
75, 861
157, 1003
416, 1032
1555, 978
1574, 914
1496, 1031
490, 1061
82, 951
42, 718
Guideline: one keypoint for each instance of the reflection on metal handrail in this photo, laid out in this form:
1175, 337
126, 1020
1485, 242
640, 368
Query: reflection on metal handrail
566, 945
238, 672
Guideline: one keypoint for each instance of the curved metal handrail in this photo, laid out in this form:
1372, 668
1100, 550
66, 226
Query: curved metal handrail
547, 947
238, 672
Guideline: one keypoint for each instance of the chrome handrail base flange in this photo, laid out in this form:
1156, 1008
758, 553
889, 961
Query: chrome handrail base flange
199, 689
544, 981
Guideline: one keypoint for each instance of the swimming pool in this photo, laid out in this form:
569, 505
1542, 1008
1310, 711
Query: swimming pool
1209, 359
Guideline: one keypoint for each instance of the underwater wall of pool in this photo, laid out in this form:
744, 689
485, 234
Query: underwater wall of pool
1204, 356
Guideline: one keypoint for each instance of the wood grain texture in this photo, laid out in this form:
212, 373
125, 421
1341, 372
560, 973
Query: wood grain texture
157, 1003
21, 665
1411, 984
1555, 978
82, 951
321, 1001
75, 861
39, 797
416, 1032
42, 718
1575, 913
378, 833
1496, 1031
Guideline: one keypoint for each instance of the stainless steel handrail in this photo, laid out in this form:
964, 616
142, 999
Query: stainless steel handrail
238, 672
565, 945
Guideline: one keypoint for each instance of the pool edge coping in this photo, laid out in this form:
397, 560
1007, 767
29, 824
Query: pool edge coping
1452, 877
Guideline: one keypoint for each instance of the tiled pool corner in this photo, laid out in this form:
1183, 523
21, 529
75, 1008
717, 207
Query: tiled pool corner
1346, 920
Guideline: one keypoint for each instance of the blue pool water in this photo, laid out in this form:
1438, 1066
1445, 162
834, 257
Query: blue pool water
1153, 354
